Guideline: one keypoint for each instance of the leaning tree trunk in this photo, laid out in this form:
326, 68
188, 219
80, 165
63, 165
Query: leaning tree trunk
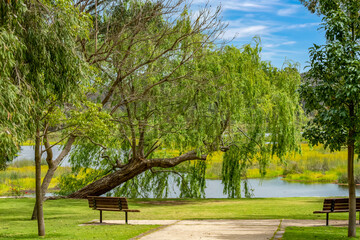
109, 182
131, 170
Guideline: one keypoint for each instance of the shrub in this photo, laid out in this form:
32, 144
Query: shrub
342, 177
71, 182
16, 191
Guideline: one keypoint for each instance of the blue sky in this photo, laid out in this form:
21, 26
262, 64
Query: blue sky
286, 28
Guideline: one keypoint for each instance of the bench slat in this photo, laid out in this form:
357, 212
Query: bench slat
108, 206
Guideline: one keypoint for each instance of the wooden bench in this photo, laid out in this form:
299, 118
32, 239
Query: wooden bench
337, 205
110, 204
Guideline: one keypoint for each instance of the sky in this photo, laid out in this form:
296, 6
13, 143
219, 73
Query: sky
286, 28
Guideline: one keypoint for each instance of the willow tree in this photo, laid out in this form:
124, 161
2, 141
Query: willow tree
119, 33
219, 99
46, 68
15, 103
332, 90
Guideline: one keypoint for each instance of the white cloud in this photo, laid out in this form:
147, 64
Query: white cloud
274, 45
242, 5
249, 6
291, 10
304, 25
246, 31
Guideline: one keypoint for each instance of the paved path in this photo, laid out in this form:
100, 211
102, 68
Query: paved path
230, 229
216, 229
220, 229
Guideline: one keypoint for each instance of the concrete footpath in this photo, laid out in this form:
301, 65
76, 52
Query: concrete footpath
230, 229
220, 229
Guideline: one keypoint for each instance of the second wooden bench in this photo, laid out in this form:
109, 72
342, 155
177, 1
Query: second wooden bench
337, 205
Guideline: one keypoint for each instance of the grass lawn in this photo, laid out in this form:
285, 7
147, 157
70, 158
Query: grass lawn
63, 216
62, 219
318, 233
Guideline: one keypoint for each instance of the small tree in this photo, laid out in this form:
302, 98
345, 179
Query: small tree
332, 88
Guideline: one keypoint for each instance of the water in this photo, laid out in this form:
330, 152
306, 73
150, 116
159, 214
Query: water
27, 153
266, 188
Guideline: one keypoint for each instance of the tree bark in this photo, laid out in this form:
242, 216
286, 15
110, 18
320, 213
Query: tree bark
111, 181
130, 171
351, 180
352, 192
44, 186
53, 165
39, 199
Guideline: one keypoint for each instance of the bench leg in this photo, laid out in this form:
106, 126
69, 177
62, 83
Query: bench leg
126, 217
327, 219
100, 216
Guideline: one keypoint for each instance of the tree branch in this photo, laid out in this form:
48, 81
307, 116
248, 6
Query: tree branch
172, 162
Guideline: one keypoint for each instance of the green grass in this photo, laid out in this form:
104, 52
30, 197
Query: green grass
318, 233
62, 219
63, 216
255, 208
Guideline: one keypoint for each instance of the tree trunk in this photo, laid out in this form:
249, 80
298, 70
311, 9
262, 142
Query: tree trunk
39, 199
111, 181
44, 186
132, 169
351, 180
352, 193
53, 165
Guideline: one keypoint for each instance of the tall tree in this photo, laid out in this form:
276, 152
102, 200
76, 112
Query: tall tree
219, 100
332, 88
47, 69
117, 47
14, 102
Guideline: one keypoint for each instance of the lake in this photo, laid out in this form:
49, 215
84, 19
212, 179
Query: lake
262, 188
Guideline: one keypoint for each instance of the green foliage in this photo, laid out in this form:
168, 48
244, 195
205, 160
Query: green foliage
14, 102
332, 86
343, 179
40, 66
332, 89
71, 182
266, 103
167, 86
232, 171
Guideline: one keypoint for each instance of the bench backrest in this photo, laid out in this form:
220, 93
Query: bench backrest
107, 202
334, 204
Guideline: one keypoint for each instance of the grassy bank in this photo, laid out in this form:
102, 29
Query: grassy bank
19, 178
312, 165
63, 216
